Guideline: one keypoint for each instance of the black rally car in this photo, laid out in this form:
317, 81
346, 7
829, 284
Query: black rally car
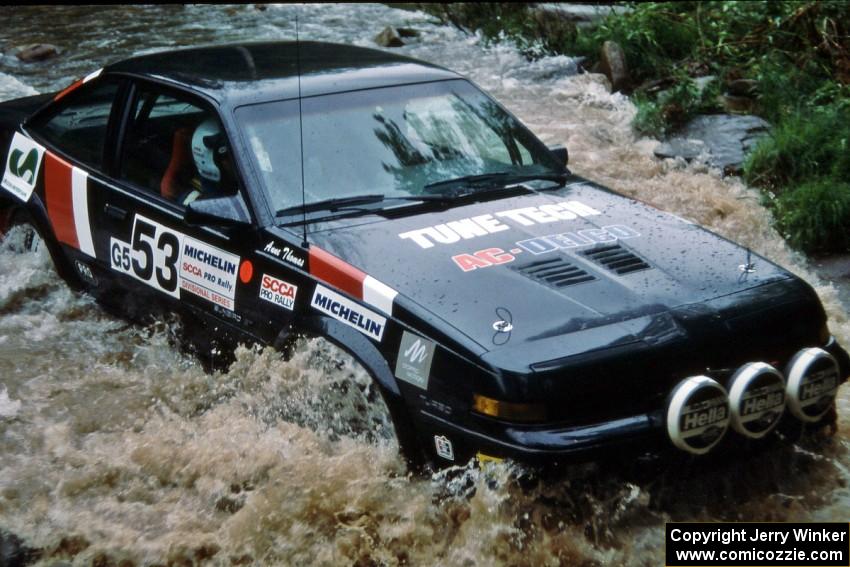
504, 306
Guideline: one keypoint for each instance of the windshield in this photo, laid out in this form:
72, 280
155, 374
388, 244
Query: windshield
393, 142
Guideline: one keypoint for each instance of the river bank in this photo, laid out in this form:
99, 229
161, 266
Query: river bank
787, 63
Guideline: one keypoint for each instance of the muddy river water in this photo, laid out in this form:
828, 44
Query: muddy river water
117, 448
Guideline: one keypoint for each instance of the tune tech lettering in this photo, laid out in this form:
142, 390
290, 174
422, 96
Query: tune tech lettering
482, 225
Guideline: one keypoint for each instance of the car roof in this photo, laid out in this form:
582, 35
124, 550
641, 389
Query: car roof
243, 73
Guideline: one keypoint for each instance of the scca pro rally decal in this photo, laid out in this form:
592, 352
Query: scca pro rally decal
170, 261
22, 166
364, 320
482, 225
278, 292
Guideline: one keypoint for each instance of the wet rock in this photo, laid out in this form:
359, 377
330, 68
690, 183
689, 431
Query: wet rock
407, 32
612, 63
229, 505
13, 552
835, 270
583, 15
389, 37
680, 147
37, 52
71, 546
725, 139
742, 104
742, 87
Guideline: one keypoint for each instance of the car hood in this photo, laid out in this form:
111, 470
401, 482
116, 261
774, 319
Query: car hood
573, 261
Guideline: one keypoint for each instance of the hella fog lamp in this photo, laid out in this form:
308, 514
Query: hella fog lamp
697, 414
756, 399
812, 383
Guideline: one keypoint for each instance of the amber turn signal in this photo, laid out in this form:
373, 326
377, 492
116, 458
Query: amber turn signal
508, 411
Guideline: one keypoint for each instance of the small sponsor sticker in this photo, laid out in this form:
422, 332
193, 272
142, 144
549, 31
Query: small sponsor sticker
279, 292
444, 447
414, 360
352, 314
208, 271
22, 166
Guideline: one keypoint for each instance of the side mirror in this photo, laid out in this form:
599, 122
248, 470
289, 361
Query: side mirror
560, 154
218, 211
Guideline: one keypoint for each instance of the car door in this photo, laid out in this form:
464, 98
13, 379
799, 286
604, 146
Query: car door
140, 215
75, 132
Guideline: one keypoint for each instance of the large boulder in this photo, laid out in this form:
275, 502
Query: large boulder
36, 52
724, 139
612, 63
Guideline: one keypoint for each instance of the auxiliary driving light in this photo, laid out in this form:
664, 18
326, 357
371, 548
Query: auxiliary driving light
812, 383
697, 414
756, 399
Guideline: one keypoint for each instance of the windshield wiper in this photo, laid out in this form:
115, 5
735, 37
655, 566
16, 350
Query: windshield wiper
496, 179
334, 204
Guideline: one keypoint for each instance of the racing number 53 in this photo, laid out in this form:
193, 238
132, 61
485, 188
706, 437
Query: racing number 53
155, 251
144, 233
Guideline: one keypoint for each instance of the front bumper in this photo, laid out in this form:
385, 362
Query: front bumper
623, 436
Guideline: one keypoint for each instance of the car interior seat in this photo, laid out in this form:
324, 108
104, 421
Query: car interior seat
179, 170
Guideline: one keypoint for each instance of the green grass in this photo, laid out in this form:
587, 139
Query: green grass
815, 215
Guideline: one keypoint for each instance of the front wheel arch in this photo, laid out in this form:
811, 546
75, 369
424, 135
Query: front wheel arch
370, 358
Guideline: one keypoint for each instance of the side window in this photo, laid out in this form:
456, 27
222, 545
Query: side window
176, 148
79, 127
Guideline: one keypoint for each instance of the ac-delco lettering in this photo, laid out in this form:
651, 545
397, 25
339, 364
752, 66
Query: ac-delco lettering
543, 244
364, 320
482, 225
278, 292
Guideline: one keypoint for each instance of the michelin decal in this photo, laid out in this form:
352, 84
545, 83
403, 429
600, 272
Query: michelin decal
352, 314
22, 167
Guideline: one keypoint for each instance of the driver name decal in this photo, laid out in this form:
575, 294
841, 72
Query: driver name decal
170, 261
482, 225
22, 167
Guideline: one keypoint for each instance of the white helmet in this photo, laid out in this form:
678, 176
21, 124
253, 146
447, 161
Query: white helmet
206, 141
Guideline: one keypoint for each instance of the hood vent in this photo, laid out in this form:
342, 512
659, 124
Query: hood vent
556, 272
617, 259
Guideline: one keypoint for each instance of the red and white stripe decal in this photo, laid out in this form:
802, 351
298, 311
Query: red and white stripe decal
77, 83
66, 193
343, 276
